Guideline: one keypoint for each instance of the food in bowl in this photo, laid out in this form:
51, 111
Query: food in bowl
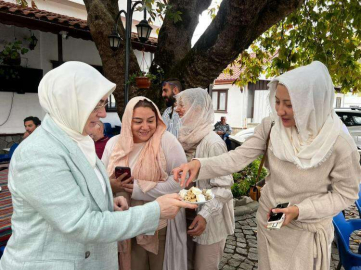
195, 195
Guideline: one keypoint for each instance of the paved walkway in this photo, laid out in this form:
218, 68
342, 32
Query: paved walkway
240, 252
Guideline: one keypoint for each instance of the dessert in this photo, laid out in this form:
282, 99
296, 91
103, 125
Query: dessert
195, 195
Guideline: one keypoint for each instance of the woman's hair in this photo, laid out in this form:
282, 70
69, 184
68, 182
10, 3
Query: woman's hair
146, 104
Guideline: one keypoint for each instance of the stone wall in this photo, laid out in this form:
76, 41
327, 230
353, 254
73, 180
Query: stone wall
6, 141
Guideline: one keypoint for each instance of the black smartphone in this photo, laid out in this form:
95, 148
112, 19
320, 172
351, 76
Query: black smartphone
121, 170
276, 217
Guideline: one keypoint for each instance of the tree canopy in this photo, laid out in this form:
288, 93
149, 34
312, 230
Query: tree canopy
328, 31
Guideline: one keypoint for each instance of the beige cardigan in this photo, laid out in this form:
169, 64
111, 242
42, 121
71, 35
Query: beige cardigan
320, 193
219, 212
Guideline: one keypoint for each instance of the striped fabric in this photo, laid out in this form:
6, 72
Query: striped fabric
173, 123
6, 208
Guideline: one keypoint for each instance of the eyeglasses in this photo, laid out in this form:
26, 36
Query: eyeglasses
99, 107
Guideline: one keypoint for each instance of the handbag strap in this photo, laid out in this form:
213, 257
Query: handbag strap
261, 183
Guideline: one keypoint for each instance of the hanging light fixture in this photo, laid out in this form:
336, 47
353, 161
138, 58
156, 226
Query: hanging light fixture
144, 30
33, 42
114, 40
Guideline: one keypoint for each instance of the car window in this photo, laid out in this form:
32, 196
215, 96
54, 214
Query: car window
350, 119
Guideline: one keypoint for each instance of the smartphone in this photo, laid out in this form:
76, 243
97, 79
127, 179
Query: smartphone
121, 170
278, 217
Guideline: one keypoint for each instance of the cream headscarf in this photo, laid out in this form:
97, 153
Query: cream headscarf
151, 164
198, 119
317, 126
68, 94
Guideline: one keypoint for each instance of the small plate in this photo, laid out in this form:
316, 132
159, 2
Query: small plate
199, 203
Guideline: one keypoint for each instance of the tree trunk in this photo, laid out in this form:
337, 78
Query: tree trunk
237, 24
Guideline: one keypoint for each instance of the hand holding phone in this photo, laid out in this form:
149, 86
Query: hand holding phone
277, 217
119, 171
276, 220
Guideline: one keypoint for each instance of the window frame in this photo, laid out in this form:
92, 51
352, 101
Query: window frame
219, 91
111, 109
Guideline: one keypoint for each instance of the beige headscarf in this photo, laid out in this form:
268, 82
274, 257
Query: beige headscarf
150, 168
151, 165
317, 126
198, 119
68, 94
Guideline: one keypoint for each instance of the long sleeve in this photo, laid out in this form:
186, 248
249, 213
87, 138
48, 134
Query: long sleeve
44, 184
345, 178
239, 158
175, 156
221, 187
229, 130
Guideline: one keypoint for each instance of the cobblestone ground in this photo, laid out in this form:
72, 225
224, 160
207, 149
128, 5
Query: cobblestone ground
240, 252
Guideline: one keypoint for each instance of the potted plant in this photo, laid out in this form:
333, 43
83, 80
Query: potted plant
142, 80
10, 55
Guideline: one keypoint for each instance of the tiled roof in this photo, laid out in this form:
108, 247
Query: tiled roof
227, 77
47, 21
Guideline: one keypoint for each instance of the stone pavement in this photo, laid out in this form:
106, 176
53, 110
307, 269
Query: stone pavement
240, 252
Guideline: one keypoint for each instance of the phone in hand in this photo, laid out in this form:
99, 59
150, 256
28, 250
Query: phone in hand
278, 217
121, 170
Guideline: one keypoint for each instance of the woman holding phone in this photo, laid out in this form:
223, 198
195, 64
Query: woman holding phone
151, 153
313, 164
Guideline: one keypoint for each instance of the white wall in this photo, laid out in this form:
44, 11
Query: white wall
236, 106
261, 106
348, 100
45, 51
20, 108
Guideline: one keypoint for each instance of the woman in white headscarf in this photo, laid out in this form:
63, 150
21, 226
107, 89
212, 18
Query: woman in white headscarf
213, 221
63, 205
313, 164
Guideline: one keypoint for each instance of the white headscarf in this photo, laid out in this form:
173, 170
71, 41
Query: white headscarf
69, 94
198, 120
317, 126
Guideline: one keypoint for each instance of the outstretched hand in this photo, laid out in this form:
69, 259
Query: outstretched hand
170, 204
191, 168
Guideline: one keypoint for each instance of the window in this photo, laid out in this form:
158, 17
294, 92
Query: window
350, 119
220, 99
112, 105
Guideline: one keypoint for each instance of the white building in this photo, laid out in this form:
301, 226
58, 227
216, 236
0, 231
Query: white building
63, 35
241, 106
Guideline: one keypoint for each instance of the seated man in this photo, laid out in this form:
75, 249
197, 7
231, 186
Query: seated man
223, 130
30, 124
99, 139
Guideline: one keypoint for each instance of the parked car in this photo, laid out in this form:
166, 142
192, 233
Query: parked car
240, 137
351, 117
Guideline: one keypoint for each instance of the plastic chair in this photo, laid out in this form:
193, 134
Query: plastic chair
7, 157
343, 230
108, 130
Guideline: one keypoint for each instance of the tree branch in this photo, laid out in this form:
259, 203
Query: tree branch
237, 24
174, 40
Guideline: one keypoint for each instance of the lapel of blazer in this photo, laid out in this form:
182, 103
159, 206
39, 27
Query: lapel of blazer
104, 173
80, 161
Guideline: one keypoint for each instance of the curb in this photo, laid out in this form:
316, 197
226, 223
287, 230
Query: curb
245, 206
